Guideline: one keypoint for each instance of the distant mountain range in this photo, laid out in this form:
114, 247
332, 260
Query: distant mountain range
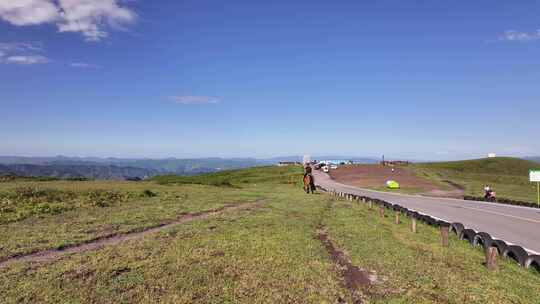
126, 168
117, 168
76, 171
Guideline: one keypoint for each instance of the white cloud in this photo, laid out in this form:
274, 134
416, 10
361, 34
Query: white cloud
186, 100
512, 35
24, 53
88, 17
84, 65
28, 12
26, 60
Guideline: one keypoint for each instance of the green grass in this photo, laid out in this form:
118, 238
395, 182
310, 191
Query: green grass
40, 215
231, 178
492, 166
417, 269
24, 202
509, 177
265, 255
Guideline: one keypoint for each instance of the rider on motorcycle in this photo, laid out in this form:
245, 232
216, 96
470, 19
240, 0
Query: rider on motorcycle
489, 194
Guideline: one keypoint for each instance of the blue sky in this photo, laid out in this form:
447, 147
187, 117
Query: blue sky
411, 79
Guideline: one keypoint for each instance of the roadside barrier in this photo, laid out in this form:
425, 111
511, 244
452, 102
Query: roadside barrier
492, 247
517, 253
533, 260
483, 239
500, 245
502, 201
491, 258
444, 235
468, 234
457, 228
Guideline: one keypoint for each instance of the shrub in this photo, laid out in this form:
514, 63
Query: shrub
101, 198
46, 208
149, 193
36, 194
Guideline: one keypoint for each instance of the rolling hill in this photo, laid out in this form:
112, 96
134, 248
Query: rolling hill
76, 171
535, 159
497, 165
508, 176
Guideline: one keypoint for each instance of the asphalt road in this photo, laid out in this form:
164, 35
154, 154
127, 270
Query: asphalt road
513, 224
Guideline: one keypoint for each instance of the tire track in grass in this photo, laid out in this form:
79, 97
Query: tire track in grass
355, 278
98, 243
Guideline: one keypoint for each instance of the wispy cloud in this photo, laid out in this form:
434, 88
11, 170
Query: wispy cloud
512, 35
24, 53
27, 60
91, 18
21, 46
187, 100
84, 65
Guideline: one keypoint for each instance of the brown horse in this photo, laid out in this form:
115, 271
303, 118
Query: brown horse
309, 185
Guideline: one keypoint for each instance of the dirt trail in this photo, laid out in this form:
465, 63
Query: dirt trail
375, 176
354, 278
54, 254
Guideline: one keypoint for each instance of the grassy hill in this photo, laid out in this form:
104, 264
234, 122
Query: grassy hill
496, 165
508, 176
270, 252
535, 159
235, 178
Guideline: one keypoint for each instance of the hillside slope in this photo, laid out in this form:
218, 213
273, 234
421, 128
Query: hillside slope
509, 177
497, 165
535, 159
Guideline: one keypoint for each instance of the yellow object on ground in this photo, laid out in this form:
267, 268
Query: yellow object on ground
392, 184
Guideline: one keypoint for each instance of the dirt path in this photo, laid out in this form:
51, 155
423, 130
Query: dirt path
375, 176
54, 254
354, 278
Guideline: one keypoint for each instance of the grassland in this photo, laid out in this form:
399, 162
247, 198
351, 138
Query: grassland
269, 254
509, 177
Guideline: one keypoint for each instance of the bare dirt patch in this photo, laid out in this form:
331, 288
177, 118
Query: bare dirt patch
355, 279
54, 254
376, 176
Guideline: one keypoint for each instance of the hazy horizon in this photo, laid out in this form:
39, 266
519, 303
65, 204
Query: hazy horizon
313, 156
